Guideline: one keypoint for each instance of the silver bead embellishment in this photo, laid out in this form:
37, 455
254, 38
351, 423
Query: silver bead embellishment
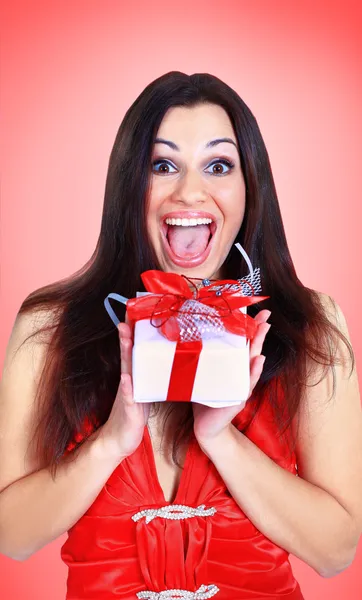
206, 282
204, 591
218, 293
182, 512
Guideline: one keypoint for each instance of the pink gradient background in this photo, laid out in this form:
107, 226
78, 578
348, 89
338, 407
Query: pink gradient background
69, 72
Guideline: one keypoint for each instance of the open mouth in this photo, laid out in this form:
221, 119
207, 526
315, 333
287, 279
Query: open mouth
188, 240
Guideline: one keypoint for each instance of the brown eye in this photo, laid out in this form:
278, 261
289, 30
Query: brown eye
164, 164
216, 167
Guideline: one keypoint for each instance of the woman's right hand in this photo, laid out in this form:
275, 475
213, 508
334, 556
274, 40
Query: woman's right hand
123, 431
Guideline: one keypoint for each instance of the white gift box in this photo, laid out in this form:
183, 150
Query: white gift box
222, 377
223, 371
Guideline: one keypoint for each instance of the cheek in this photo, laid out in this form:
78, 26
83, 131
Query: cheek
153, 205
151, 210
234, 211
241, 211
231, 199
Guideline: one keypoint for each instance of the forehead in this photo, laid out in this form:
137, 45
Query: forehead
199, 123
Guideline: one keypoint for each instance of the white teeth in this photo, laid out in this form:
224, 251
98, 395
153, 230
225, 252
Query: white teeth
188, 222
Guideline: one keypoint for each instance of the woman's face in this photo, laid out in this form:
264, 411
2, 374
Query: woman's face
197, 191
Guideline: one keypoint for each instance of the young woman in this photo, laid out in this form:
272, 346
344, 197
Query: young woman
185, 501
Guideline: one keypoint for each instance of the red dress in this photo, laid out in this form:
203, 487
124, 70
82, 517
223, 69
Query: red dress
117, 551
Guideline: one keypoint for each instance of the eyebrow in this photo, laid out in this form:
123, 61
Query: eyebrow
210, 144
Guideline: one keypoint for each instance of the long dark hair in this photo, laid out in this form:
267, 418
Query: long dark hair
81, 372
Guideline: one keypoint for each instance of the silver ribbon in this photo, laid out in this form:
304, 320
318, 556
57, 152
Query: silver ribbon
204, 591
243, 285
198, 321
175, 512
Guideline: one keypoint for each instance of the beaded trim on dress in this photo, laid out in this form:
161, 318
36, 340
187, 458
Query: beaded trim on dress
204, 592
182, 512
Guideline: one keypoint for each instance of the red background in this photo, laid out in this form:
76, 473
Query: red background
69, 72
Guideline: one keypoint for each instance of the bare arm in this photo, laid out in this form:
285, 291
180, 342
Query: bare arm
295, 514
35, 508
318, 515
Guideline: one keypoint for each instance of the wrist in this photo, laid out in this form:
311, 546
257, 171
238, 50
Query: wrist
105, 449
222, 440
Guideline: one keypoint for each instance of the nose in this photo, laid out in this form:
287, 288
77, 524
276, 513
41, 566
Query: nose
190, 190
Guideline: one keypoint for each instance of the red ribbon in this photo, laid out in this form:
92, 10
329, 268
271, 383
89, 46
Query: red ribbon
169, 292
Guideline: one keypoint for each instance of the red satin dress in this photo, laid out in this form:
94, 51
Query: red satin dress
131, 543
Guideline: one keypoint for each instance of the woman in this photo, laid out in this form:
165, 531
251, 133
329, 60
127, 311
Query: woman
281, 476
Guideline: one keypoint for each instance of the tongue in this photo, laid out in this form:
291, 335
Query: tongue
188, 241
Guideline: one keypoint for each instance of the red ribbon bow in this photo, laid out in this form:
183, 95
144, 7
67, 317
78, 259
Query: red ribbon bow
169, 292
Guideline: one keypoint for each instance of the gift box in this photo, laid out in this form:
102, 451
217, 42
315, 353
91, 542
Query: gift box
191, 344
220, 376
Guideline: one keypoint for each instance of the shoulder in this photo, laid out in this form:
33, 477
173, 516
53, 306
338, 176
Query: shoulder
331, 308
340, 340
34, 325
28, 326
28, 344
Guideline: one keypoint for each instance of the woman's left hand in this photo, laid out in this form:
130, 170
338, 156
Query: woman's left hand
209, 422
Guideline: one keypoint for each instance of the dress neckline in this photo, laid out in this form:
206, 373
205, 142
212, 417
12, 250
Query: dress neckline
185, 474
